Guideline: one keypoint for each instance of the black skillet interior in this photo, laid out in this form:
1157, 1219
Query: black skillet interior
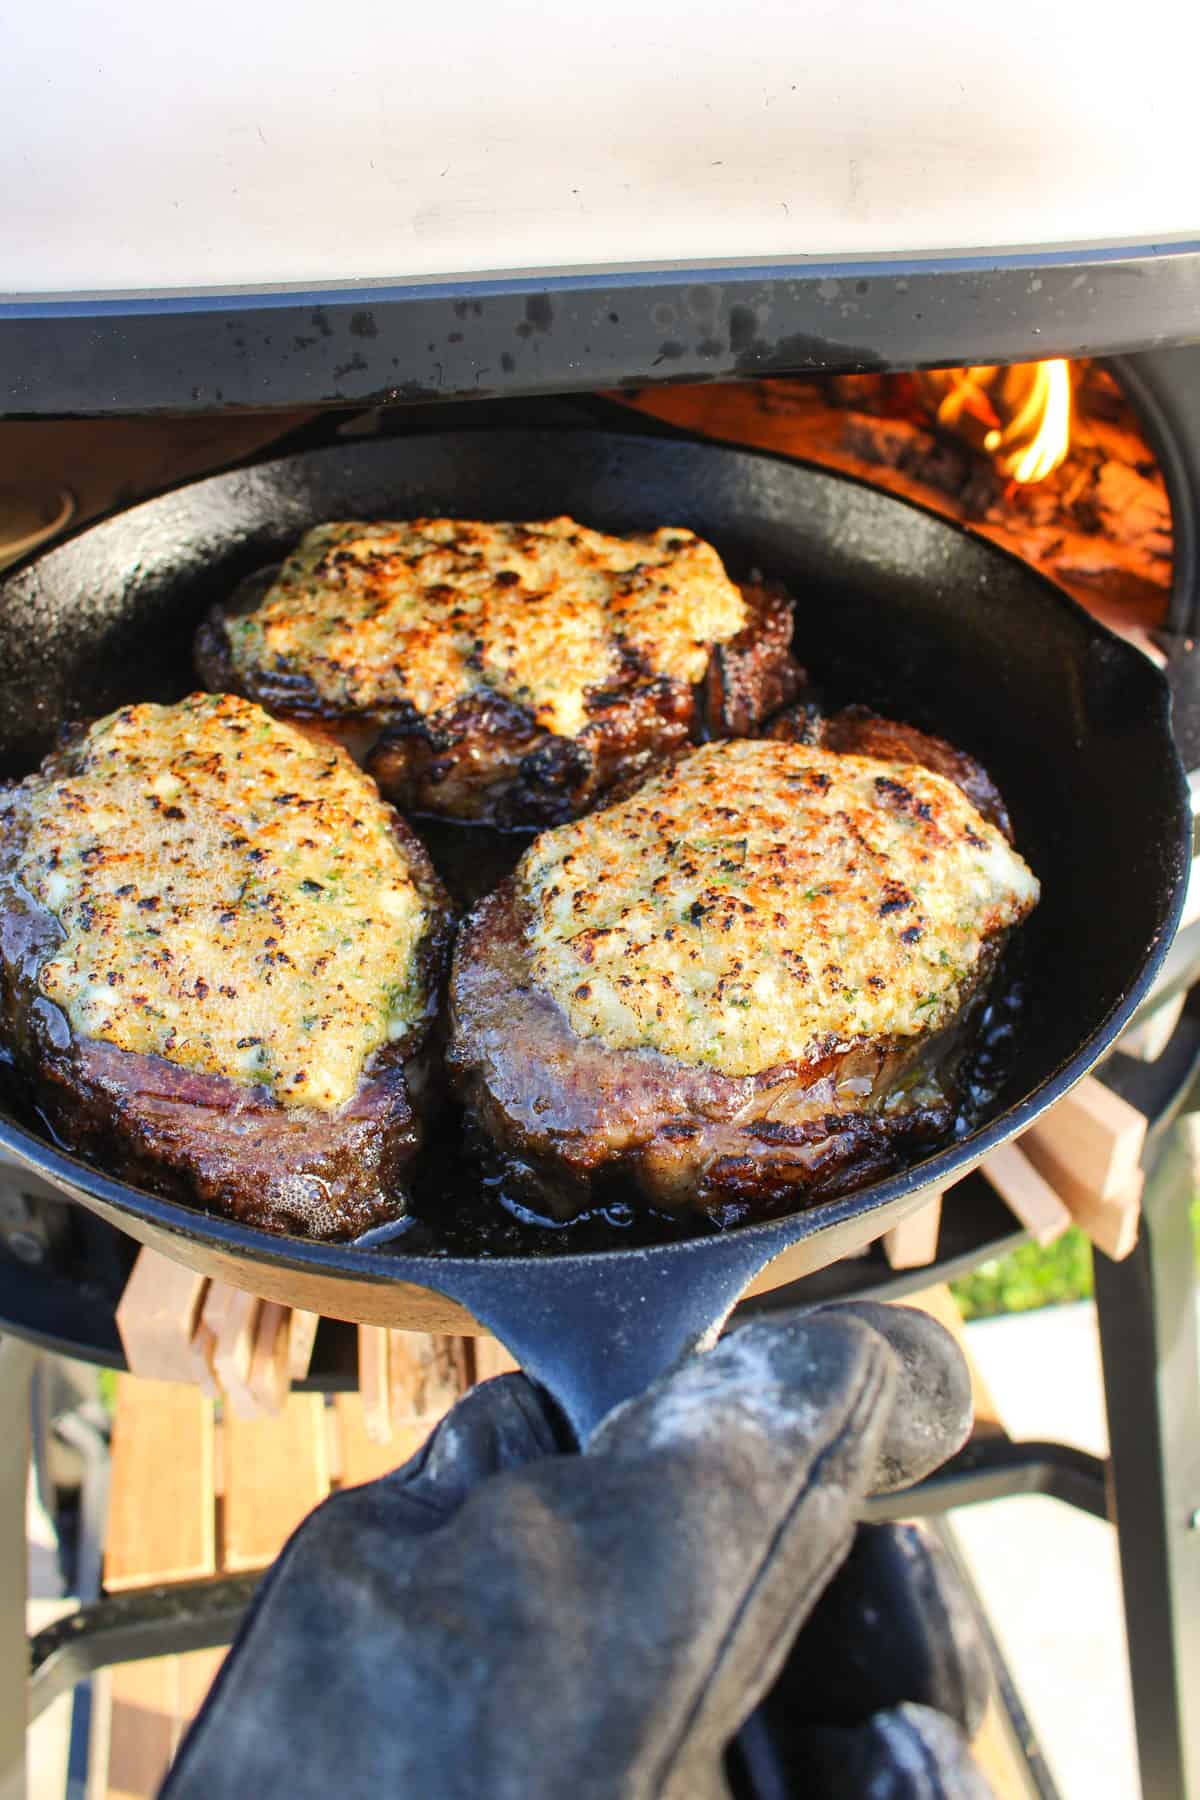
895, 608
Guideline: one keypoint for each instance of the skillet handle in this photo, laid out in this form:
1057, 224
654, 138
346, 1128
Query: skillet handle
595, 1330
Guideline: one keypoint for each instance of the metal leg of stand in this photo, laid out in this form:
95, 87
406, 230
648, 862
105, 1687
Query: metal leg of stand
1147, 1313
16, 1369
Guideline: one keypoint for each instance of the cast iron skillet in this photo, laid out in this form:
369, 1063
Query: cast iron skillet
901, 610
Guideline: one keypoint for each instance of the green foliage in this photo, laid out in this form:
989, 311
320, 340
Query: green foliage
1031, 1276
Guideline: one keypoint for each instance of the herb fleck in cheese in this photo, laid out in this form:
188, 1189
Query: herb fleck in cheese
232, 898
766, 902
433, 611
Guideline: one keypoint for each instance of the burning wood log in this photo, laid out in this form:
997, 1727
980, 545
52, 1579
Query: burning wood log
1098, 523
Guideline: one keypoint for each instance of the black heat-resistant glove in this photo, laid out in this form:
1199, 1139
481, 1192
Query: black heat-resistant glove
500, 1620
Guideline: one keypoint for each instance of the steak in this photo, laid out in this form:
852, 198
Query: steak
856, 730
509, 674
187, 988
754, 983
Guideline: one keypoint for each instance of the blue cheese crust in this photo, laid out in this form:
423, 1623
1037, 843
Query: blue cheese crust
763, 903
233, 897
431, 612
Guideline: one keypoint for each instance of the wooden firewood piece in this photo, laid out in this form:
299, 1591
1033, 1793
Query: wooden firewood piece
1026, 1193
212, 1313
1092, 1135
269, 1379
161, 1514
373, 1385
204, 1351
300, 1349
1112, 1221
429, 1373
913, 1243
235, 1349
277, 1470
491, 1358
157, 1317
359, 1456
1089, 1148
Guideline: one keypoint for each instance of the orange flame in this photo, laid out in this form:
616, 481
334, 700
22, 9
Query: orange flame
1046, 414
965, 391
1024, 412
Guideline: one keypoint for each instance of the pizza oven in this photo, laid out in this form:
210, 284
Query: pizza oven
934, 257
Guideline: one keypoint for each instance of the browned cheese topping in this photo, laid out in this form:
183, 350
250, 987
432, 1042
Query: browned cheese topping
435, 610
232, 898
765, 902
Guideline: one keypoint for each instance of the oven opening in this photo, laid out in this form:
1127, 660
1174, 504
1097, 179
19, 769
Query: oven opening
1048, 459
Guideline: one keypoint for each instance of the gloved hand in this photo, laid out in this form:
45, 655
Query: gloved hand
500, 1620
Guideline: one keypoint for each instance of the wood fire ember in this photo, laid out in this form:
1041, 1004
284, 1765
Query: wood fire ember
1134, 509
1099, 523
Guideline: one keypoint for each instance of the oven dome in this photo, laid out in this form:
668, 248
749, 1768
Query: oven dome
191, 147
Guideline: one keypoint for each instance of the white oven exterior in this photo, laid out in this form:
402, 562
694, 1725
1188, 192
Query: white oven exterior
192, 147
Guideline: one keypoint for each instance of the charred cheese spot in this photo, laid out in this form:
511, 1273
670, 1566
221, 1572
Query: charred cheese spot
232, 898
765, 902
433, 611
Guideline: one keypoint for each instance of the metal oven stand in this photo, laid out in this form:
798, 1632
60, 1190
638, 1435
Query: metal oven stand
1148, 1340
